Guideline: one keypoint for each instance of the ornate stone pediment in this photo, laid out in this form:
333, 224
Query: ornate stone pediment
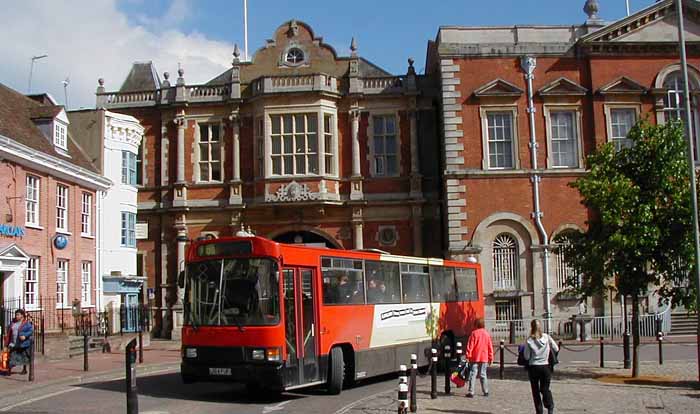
292, 192
622, 86
498, 87
562, 87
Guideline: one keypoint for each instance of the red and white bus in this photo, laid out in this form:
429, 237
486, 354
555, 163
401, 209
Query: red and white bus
282, 316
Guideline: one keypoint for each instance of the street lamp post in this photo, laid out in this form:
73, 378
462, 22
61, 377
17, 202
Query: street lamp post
31, 70
691, 163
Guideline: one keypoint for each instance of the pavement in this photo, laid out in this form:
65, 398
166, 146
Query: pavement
671, 388
578, 387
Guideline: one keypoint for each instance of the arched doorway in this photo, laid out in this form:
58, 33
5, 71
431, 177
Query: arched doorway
305, 237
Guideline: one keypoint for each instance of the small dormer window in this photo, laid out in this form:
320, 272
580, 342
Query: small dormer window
295, 56
59, 135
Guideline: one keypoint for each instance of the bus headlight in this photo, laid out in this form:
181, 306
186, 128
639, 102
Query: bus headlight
273, 354
191, 352
258, 354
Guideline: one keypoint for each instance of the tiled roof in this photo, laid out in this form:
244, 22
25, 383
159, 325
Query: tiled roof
142, 77
17, 113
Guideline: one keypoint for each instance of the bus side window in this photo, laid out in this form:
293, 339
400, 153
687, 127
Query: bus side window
466, 284
414, 280
343, 283
383, 284
443, 284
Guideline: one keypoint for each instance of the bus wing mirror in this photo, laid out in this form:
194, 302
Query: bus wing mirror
181, 279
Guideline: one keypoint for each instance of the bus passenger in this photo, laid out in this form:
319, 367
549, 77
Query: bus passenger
374, 292
344, 290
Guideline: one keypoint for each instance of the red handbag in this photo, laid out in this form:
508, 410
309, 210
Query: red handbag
457, 380
5, 362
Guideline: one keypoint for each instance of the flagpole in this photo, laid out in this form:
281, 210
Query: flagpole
627, 3
691, 162
245, 30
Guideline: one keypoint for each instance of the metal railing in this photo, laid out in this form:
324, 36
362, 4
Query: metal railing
513, 330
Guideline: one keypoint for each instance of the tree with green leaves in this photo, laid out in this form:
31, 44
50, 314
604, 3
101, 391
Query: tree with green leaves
639, 234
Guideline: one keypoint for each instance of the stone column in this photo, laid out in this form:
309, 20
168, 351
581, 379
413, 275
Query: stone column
358, 234
181, 126
235, 196
321, 147
180, 197
355, 131
356, 178
182, 238
417, 224
416, 189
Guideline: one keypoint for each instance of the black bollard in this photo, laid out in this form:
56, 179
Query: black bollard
459, 353
85, 352
31, 361
626, 350
412, 385
403, 390
433, 374
660, 338
132, 397
501, 363
140, 347
602, 353
448, 371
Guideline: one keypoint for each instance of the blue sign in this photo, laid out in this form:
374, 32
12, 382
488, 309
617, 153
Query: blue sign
60, 241
11, 231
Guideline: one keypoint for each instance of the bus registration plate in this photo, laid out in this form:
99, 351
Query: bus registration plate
220, 371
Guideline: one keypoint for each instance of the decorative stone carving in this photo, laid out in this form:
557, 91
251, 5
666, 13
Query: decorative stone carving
293, 29
591, 8
292, 192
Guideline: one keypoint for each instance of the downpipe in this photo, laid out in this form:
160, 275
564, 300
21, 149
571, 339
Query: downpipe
528, 64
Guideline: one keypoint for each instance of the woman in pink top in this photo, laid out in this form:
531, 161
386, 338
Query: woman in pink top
480, 356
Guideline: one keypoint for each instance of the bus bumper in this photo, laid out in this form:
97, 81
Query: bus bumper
266, 376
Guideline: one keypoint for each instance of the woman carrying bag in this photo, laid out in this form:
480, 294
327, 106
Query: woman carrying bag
20, 335
537, 353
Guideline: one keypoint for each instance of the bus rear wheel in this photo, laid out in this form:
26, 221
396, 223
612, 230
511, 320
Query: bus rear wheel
336, 371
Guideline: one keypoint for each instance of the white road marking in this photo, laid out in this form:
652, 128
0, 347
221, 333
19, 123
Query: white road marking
277, 407
43, 397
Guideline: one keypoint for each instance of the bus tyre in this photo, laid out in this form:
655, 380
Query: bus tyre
186, 379
336, 371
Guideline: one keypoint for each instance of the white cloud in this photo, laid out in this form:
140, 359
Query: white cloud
89, 39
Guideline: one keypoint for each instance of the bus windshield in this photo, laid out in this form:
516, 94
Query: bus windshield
232, 292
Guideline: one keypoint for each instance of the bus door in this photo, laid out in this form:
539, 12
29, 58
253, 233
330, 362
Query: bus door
300, 325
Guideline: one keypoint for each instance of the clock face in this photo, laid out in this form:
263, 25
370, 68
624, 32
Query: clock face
60, 241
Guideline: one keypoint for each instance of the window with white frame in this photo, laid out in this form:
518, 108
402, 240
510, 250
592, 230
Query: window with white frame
505, 263
128, 229
508, 310
31, 283
621, 122
259, 147
140, 163
86, 283
328, 131
385, 162
61, 207
500, 140
294, 142
62, 283
128, 168
32, 200
86, 214
674, 104
59, 135
563, 139
209, 152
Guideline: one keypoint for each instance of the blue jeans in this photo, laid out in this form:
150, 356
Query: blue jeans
481, 368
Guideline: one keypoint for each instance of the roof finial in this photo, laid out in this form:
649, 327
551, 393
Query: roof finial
236, 53
166, 75
411, 69
353, 46
180, 70
101, 82
591, 8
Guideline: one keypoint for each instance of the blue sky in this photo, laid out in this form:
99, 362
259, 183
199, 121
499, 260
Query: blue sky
91, 39
388, 31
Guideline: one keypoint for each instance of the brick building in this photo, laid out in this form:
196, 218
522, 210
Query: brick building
300, 144
508, 202
50, 193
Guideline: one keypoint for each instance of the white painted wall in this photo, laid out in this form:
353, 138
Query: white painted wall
121, 133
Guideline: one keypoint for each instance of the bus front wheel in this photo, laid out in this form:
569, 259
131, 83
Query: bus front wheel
336, 371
